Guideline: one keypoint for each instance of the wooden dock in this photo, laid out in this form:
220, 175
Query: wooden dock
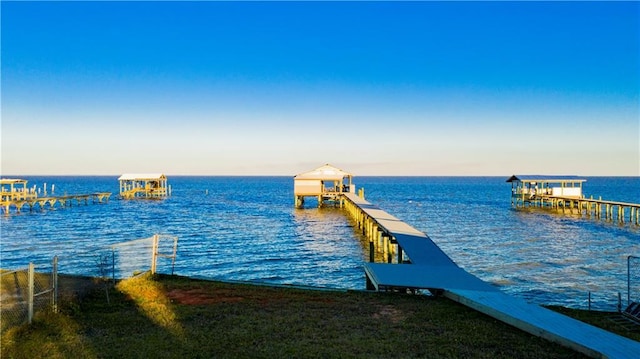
62, 201
15, 193
412, 261
326, 183
564, 194
622, 212
144, 186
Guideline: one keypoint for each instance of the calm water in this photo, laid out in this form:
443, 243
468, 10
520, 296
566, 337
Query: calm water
246, 228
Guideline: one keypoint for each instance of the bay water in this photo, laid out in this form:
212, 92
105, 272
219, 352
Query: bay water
247, 229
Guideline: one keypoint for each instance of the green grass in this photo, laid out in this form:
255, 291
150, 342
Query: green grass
177, 317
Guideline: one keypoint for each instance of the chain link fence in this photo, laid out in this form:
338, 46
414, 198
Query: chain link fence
130, 259
26, 291
633, 279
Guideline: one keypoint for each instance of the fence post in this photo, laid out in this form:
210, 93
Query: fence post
30, 293
154, 254
619, 302
113, 265
54, 280
629, 278
175, 250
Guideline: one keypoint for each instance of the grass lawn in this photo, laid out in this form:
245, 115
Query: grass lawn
178, 317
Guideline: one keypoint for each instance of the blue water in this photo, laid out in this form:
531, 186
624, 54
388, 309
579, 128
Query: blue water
246, 228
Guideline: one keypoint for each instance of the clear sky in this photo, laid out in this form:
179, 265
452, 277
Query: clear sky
279, 88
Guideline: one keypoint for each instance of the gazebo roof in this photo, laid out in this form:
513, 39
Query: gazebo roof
326, 172
545, 178
141, 176
12, 181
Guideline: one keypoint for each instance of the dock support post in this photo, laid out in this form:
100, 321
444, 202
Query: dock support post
392, 249
372, 249
374, 230
385, 248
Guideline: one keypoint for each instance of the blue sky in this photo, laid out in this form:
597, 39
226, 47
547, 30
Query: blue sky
278, 88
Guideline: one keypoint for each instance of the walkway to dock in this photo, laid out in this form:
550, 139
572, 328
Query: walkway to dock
598, 208
421, 264
63, 201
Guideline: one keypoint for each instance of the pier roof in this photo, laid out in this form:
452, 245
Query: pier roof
545, 178
326, 172
11, 180
141, 176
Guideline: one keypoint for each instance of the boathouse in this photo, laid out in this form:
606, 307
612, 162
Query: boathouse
147, 185
533, 188
327, 183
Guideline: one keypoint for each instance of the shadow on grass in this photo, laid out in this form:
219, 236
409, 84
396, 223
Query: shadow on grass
176, 317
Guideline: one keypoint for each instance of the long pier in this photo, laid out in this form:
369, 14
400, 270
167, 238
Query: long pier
67, 200
597, 208
564, 193
412, 261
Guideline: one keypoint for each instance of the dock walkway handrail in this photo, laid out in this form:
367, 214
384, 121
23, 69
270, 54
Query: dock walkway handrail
591, 200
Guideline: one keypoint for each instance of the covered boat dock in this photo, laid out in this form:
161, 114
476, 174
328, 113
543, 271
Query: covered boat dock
565, 193
327, 183
146, 185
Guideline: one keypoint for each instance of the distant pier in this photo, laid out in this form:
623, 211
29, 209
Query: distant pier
564, 193
14, 193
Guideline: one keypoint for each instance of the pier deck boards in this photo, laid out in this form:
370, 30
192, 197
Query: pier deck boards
431, 268
415, 276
